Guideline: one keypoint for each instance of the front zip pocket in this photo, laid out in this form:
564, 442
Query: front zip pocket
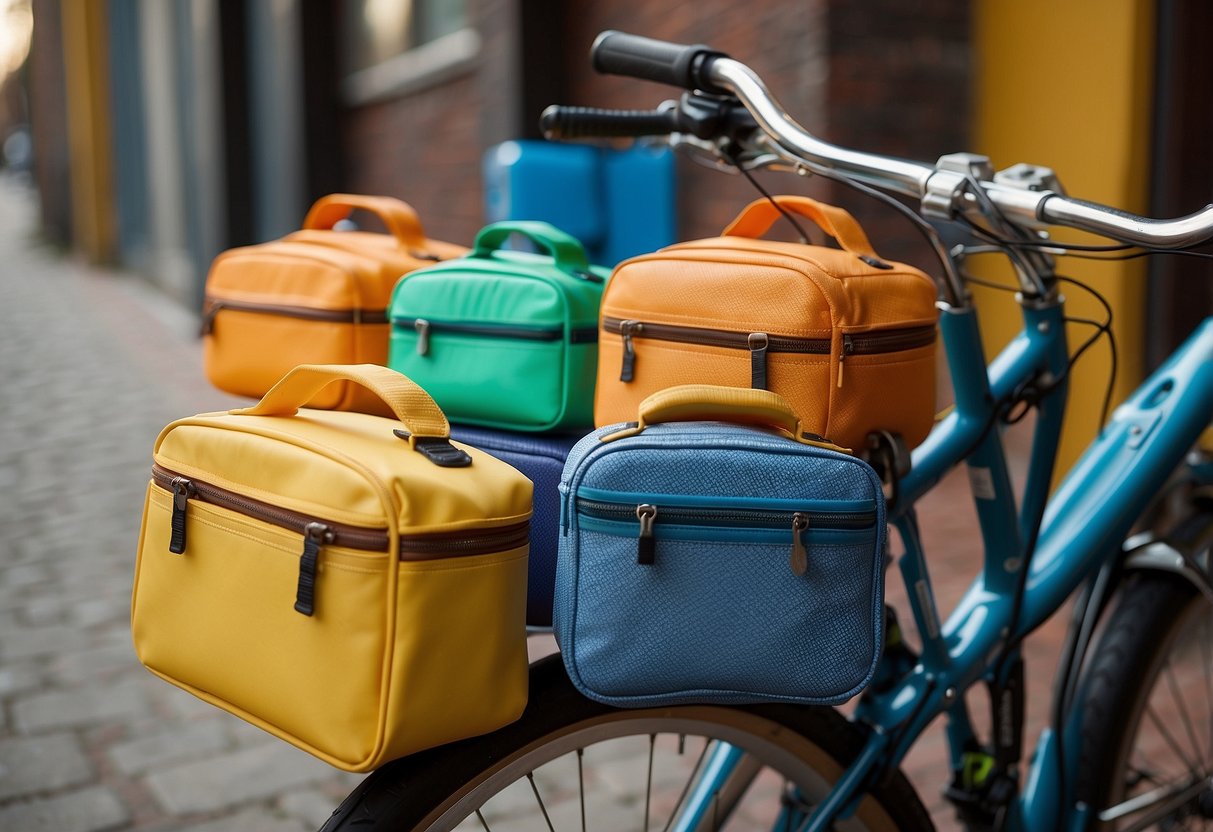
760, 344
650, 518
425, 327
305, 313
319, 532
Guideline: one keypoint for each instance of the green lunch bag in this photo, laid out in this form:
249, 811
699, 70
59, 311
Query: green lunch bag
504, 339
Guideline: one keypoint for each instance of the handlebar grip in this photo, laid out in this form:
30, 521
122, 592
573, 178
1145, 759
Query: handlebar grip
560, 122
617, 53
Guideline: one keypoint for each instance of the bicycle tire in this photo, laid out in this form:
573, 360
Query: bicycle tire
425, 790
1153, 615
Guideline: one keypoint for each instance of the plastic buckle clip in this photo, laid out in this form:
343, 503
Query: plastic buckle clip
437, 449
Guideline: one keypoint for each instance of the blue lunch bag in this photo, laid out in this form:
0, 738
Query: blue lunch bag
541, 458
733, 561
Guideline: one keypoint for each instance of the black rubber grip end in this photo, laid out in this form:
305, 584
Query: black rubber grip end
563, 122
680, 65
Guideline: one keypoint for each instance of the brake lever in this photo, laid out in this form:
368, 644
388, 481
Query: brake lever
711, 154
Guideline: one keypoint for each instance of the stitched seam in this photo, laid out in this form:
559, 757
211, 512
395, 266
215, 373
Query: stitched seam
416, 566
867, 361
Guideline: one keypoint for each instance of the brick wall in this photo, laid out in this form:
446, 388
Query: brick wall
899, 84
782, 42
877, 75
425, 149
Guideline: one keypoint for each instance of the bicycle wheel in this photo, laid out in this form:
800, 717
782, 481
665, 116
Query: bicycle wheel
1147, 740
570, 763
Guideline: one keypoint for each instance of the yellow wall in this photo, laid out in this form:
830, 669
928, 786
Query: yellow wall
1068, 85
86, 76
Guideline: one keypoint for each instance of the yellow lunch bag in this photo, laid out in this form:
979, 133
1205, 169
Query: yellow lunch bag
353, 584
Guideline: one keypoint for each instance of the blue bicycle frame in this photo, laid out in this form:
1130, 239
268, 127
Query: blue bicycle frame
1082, 527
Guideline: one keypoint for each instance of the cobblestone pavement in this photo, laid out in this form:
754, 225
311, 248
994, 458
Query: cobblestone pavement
92, 365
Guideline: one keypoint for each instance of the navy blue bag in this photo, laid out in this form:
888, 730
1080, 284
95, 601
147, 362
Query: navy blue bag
541, 458
725, 561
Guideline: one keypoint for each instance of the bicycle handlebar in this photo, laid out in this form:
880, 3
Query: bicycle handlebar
702, 68
563, 122
1110, 222
618, 53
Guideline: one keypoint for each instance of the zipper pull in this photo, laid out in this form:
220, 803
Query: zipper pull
183, 489
423, 336
799, 561
315, 535
586, 275
758, 343
208, 319
848, 347
627, 329
646, 546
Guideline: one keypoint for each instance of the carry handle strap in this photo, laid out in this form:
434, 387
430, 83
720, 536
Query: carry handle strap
710, 402
421, 417
396, 215
564, 249
758, 217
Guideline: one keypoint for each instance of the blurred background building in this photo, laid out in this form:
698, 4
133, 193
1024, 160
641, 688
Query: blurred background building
165, 131
168, 130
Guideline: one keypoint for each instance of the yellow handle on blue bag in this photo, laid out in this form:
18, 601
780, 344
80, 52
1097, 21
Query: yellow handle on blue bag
715, 403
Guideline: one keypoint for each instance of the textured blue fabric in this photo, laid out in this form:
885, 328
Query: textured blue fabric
719, 616
541, 458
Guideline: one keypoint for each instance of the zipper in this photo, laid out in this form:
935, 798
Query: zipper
315, 535
756, 518
430, 546
758, 343
646, 546
628, 330
318, 532
799, 559
424, 326
183, 489
761, 343
352, 537
715, 337
848, 348
798, 521
341, 316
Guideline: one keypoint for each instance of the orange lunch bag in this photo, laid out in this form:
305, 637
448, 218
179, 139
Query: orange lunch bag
316, 296
846, 338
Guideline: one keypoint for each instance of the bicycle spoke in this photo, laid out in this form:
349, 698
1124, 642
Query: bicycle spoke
1208, 668
686, 787
648, 786
581, 785
1183, 712
531, 777
1157, 804
716, 811
483, 822
1162, 729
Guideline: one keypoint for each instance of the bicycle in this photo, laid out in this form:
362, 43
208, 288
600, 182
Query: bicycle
1131, 528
